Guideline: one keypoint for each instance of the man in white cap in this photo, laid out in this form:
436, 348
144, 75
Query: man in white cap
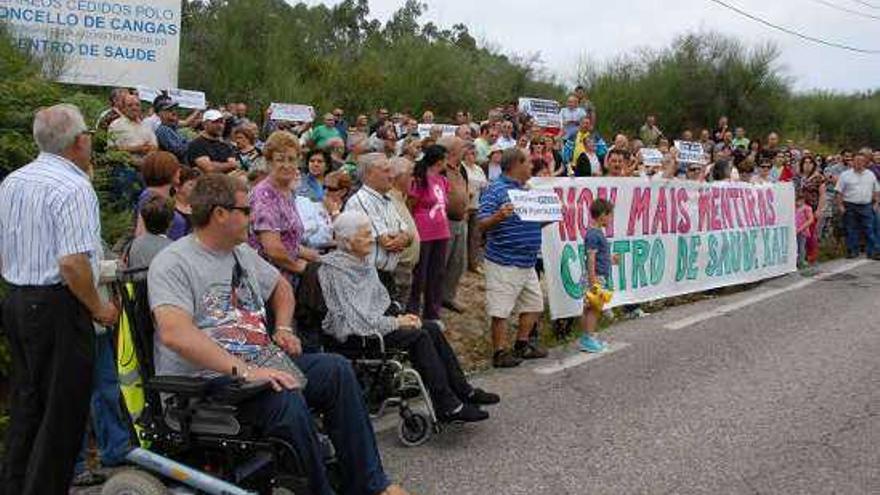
209, 152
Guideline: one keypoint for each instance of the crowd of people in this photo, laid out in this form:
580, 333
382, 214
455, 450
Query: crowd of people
236, 217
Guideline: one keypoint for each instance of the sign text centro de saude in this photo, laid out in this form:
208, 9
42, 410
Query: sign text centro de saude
671, 237
109, 43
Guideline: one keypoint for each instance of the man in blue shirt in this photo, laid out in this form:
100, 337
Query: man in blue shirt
167, 134
512, 247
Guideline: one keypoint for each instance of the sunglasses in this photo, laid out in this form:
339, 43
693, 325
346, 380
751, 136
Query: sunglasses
335, 189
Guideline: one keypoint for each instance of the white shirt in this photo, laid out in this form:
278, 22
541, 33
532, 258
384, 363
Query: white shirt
505, 142
477, 181
48, 210
858, 188
317, 226
153, 122
125, 132
384, 219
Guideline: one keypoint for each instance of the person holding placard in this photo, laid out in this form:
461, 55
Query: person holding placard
512, 247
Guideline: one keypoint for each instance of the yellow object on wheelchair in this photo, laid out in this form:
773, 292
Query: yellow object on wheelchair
597, 297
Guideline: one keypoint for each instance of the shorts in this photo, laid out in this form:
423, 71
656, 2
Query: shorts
512, 290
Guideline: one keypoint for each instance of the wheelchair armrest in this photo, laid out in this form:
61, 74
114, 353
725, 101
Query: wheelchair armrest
191, 386
223, 389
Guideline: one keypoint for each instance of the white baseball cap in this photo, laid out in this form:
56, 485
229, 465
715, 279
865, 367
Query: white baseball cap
212, 115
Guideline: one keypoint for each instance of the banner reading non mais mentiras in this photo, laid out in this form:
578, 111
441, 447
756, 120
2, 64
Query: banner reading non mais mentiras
672, 237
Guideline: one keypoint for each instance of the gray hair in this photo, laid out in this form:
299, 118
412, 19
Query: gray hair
370, 160
57, 127
510, 157
400, 166
347, 225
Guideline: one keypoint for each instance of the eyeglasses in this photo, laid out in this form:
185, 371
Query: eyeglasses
335, 189
246, 210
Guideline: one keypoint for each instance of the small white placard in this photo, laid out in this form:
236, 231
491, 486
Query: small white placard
292, 112
536, 205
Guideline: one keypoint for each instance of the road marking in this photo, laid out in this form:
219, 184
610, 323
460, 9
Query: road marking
763, 296
578, 359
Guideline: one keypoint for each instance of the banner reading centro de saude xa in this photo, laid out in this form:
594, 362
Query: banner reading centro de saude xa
672, 237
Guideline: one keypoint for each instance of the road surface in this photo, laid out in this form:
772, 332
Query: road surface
771, 391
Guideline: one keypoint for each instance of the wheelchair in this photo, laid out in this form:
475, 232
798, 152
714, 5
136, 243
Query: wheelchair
187, 428
385, 375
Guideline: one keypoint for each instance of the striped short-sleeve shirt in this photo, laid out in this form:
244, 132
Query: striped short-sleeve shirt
512, 242
48, 210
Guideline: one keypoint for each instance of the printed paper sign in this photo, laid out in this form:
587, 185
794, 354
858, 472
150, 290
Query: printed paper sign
690, 152
545, 112
425, 129
185, 98
651, 156
536, 205
672, 237
119, 43
290, 112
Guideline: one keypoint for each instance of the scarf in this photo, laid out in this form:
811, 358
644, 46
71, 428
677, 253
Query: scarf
356, 300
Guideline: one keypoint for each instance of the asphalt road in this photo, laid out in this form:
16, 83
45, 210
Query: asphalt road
736, 395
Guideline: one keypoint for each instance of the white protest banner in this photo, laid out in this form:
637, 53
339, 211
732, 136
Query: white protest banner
651, 156
536, 205
672, 237
118, 43
545, 112
291, 112
690, 152
425, 129
183, 97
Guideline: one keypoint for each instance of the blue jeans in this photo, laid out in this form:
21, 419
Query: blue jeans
333, 391
857, 219
111, 430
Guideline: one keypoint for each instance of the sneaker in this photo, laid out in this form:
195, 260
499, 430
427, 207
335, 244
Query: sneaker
466, 413
529, 351
89, 478
481, 397
637, 313
505, 359
592, 345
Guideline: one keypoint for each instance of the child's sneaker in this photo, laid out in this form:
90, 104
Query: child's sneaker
592, 345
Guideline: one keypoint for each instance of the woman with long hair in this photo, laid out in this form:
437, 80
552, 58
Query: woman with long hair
427, 200
811, 182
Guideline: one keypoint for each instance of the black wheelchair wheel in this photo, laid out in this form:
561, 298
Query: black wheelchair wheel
414, 429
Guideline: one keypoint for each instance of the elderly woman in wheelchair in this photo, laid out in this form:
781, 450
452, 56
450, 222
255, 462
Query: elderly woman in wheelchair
357, 307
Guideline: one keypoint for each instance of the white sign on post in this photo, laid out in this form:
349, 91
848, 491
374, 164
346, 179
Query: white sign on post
183, 97
536, 205
292, 112
119, 43
690, 152
545, 112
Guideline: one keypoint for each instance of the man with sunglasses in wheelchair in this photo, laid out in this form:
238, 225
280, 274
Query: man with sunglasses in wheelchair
210, 294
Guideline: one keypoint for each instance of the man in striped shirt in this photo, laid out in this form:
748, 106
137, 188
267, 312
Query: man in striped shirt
50, 249
512, 247
392, 233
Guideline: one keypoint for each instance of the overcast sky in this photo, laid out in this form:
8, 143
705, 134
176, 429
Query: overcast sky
564, 31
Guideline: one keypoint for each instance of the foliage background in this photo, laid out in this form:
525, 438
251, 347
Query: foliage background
260, 51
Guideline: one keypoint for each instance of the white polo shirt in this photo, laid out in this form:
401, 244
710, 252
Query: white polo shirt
858, 188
